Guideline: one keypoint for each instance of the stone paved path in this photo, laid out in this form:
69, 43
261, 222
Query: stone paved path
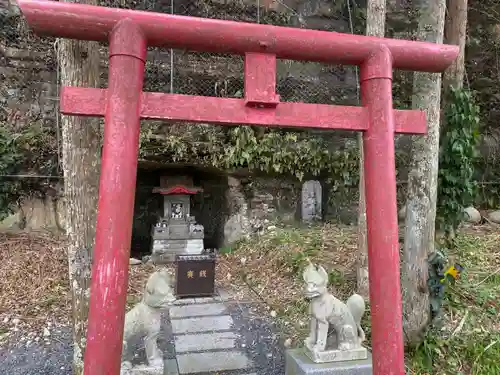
200, 337
219, 336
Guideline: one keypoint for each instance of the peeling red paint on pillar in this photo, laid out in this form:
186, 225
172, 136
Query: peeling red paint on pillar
381, 215
108, 291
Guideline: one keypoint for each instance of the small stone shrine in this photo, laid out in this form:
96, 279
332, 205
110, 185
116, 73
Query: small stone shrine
335, 337
177, 231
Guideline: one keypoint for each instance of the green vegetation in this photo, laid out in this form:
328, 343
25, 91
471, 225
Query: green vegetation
468, 338
9, 159
457, 187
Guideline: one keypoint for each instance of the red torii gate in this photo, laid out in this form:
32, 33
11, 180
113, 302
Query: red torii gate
123, 104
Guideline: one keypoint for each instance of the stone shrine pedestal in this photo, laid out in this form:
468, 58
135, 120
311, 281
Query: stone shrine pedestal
298, 363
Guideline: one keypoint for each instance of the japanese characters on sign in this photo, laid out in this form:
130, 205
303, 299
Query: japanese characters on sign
202, 273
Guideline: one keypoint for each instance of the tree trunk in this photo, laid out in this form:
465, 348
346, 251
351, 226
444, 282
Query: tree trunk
456, 33
79, 64
422, 181
375, 26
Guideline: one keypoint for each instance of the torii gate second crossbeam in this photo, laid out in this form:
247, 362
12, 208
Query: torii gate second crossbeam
123, 104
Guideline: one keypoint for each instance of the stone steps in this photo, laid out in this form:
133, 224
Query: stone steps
205, 339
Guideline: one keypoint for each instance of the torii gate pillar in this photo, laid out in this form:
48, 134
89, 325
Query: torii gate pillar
123, 104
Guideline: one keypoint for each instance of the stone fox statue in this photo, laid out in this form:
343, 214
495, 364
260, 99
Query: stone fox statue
144, 320
334, 325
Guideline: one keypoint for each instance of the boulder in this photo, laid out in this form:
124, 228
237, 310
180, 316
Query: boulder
472, 215
494, 217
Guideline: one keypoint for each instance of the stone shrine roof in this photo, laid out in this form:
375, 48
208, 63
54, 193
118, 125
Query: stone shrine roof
176, 190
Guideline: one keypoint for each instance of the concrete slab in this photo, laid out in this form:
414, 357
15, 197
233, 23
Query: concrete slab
184, 301
170, 367
298, 363
186, 311
212, 361
204, 299
205, 341
205, 324
144, 370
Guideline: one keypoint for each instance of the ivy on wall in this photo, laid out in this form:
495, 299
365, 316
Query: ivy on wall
297, 154
9, 161
458, 156
33, 149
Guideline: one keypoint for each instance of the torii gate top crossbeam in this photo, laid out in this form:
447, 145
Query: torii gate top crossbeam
86, 22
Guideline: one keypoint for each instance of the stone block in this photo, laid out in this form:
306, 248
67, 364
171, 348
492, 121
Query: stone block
206, 324
298, 363
197, 310
311, 200
170, 367
204, 299
337, 355
212, 361
205, 341
143, 370
184, 301
162, 258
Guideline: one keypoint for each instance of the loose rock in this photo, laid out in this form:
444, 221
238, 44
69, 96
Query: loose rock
134, 262
472, 215
494, 217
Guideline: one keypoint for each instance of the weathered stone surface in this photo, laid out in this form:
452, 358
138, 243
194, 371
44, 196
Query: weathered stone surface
473, 216
134, 262
311, 201
212, 361
337, 355
237, 226
204, 299
205, 341
205, 324
297, 363
170, 367
143, 370
37, 214
197, 310
185, 301
494, 217
143, 321
402, 213
341, 337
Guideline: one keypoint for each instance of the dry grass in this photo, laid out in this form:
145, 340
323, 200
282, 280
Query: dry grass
33, 278
270, 267
34, 288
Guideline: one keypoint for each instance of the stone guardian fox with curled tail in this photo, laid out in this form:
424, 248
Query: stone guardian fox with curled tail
335, 327
143, 321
